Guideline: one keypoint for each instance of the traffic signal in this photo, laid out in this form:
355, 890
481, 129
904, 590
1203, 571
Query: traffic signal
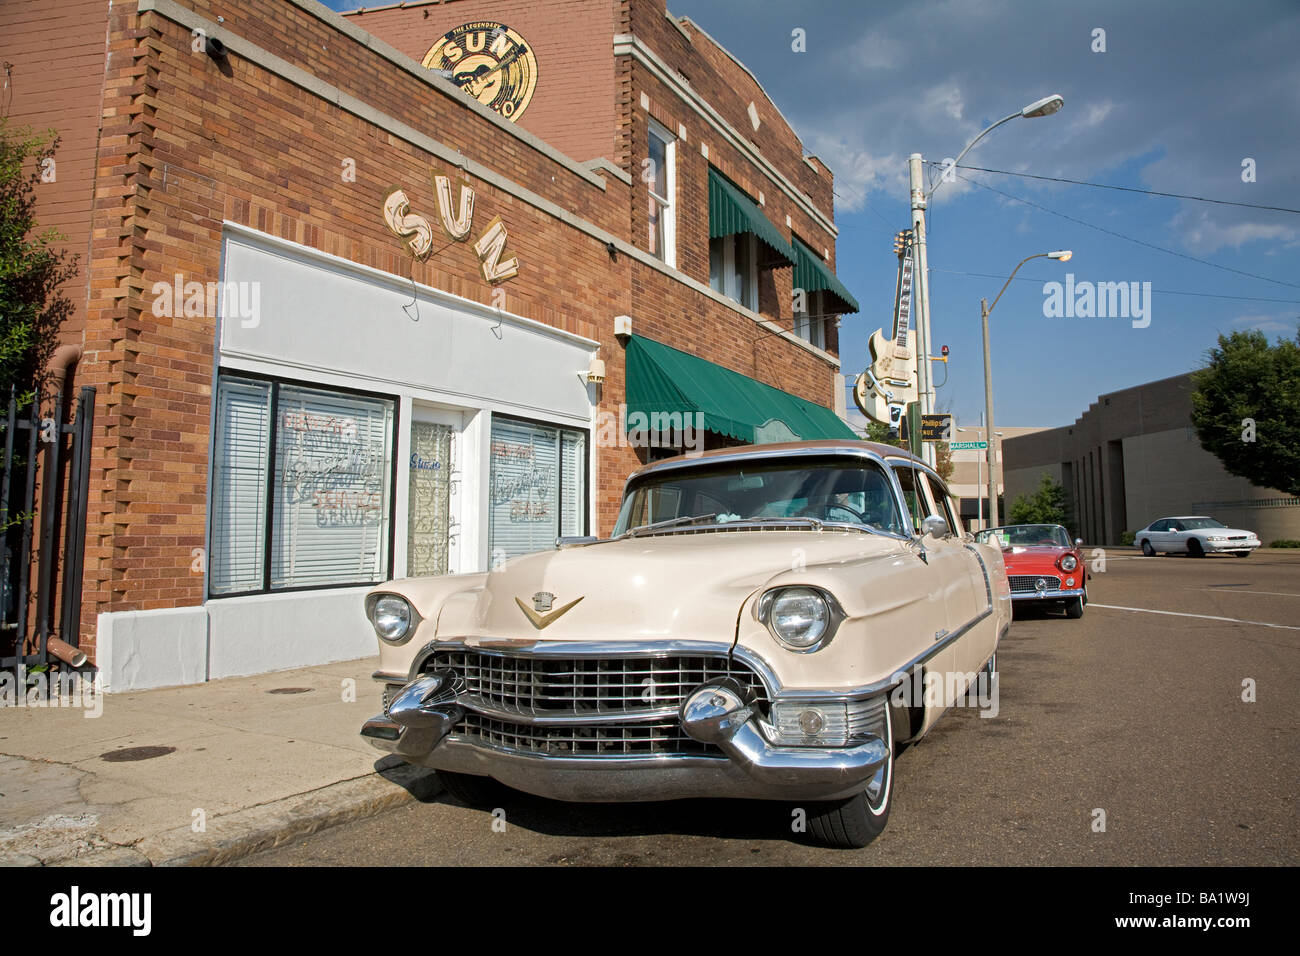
901, 239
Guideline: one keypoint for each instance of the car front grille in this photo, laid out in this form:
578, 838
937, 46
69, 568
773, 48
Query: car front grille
545, 686
585, 706
638, 739
1020, 583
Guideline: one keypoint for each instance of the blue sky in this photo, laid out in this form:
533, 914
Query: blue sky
1184, 92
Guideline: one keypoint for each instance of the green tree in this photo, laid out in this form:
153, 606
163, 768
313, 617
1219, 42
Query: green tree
32, 307
879, 432
1047, 505
1246, 408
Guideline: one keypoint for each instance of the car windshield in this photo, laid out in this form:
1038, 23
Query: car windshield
1197, 524
1026, 536
853, 492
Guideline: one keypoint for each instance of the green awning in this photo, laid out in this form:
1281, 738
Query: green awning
812, 275
663, 381
731, 212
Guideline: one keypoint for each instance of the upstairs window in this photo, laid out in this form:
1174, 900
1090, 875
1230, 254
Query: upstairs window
733, 268
810, 323
658, 173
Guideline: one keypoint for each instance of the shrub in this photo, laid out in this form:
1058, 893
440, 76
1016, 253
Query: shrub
1127, 537
1284, 543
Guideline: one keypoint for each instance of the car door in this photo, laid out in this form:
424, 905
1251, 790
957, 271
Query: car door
949, 589
1175, 536
971, 596
1157, 534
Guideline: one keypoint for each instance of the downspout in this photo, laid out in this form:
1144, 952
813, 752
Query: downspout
64, 357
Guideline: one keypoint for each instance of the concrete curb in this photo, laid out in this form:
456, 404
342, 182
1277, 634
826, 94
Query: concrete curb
244, 832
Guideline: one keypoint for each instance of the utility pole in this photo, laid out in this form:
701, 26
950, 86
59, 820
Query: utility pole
989, 452
922, 299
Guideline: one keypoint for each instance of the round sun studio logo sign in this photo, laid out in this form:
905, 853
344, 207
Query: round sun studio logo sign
490, 62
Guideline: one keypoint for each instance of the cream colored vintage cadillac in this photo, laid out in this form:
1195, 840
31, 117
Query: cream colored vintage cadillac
767, 622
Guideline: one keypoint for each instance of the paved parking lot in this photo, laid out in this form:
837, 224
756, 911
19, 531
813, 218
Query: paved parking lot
1135, 710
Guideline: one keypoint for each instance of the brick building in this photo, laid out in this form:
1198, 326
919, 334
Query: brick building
349, 285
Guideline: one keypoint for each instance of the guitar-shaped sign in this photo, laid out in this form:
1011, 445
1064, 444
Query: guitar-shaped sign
889, 383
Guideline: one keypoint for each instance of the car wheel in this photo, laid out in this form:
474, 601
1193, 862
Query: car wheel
473, 791
853, 823
1194, 548
1149, 551
1074, 608
1242, 554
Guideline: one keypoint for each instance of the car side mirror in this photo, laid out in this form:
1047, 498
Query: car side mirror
935, 525
1078, 542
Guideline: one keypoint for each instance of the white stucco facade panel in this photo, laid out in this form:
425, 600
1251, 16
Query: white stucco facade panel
139, 650
315, 313
275, 632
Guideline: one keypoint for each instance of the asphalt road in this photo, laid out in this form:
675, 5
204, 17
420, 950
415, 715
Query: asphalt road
1137, 714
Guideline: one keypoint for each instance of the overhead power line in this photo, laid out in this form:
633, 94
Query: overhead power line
1126, 189
1127, 238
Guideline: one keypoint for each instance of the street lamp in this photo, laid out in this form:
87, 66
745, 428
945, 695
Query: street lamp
1061, 256
920, 199
979, 473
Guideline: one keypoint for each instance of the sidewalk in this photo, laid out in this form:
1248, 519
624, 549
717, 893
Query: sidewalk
245, 763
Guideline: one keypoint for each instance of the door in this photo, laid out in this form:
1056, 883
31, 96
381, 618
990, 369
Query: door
969, 594
948, 566
432, 510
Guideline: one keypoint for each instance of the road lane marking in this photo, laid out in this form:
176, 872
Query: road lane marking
1206, 617
1214, 589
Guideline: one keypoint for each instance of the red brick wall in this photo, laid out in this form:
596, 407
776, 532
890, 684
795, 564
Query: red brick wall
186, 144
56, 52
573, 105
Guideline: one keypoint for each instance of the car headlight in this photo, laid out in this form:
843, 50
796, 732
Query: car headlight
1069, 562
392, 617
1218, 537
800, 618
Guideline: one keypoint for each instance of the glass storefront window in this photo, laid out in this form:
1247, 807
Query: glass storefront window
538, 487
327, 517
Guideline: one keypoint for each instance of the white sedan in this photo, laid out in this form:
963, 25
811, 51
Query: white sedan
1196, 536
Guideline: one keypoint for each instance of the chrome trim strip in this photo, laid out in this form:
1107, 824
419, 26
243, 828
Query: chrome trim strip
384, 677
597, 718
1045, 595
988, 584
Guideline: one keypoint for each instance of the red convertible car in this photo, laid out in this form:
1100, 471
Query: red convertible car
1042, 565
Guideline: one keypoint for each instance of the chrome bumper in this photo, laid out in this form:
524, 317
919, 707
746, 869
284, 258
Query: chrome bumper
1058, 595
1251, 545
420, 720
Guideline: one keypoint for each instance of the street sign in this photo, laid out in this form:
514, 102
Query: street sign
967, 445
936, 427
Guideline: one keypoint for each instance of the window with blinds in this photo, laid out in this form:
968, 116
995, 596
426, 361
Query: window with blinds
322, 515
239, 486
538, 486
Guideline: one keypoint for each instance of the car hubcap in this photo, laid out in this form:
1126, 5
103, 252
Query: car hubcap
877, 791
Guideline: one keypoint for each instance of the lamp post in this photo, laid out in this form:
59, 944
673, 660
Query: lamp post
920, 200
979, 474
985, 309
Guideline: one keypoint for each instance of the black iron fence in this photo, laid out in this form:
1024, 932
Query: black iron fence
44, 540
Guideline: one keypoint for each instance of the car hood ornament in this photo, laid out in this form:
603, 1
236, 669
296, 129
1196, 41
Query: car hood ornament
540, 614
